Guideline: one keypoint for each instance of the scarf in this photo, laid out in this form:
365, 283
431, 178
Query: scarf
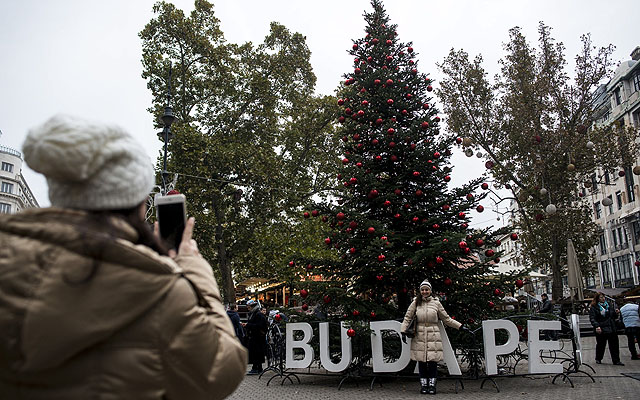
604, 307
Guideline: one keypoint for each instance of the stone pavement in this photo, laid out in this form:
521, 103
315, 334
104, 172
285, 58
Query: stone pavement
609, 384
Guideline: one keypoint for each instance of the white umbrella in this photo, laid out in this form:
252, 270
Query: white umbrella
574, 274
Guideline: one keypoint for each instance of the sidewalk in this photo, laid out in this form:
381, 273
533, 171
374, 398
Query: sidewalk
610, 384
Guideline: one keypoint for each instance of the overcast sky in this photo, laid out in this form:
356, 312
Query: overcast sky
83, 56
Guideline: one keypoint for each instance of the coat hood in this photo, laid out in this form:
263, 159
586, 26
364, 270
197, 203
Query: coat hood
69, 282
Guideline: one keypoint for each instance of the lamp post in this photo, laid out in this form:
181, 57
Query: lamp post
165, 135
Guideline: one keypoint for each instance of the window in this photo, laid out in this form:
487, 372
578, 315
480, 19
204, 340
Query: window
614, 236
606, 275
618, 95
7, 167
5, 208
628, 180
594, 183
619, 199
598, 210
610, 206
636, 119
636, 81
6, 187
622, 235
636, 232
603, 244
607, 178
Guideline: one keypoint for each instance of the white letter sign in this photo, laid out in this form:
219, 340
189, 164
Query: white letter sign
299, 344
345, 344
536, 366
379, 364
491, 350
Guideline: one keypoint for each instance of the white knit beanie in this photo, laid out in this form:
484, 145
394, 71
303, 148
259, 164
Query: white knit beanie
88, 165
425, 283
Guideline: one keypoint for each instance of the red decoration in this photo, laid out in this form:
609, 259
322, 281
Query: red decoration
355, 313
351, 332
340, 102
326, 299
305, 306
621, 173
436, 154
391, 131
497, 292
485, 186
519, 283
439, 260
479, 242
436, 227
327, 241
379, 277
306, 214
384, 238
304, 293
424, 125
340, 216
352, 250
381, 257
291, 263
355, 46
462, 244
491, 304
447, 178
379, 121
470, 197
514, 236
461, 215
448, 282
480, 209
389, 42
418, 193
278, 317
429, 88
489, 253
389, 82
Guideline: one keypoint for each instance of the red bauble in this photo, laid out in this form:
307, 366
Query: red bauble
389, 82
397, 192
391, 131
340, 102
381, 257
357, 70
409, 96
436, 154
448, 282
621, 173
446, 207
435, 227
458, 140
485, 186
304, 293
384, 238
413, 146
315, 213
373, 194
498, 242
326, 299
379, 121
479, 242
371, 230
416, 173
424, 125
491, 304
341, 120
327, 240
464, 225
461, 215
469, 196
497, 292
519, 283
325, 219
340, 216
374, 41
306, 214
372, 314
404, 112
418, 241
447, 178
415, 220
397, 216
637, 263
351, 332
392, 144
489, 164
305, 306
390, 102
489, 253
309, 267
377, 82
352, 250
462, 244
355, 46
353, 181
409, 49
429, 88
355, 313
394, 158
291, 263
389, 42
418, 193
439, 260
514, 236
353, 224
480, 209
389, 58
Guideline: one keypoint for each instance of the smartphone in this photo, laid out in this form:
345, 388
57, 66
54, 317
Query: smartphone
172, 216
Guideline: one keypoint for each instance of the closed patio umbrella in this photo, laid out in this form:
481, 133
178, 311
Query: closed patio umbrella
573, 271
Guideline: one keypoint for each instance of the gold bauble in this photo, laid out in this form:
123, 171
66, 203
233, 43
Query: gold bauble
571, 167
636, 170
466, 142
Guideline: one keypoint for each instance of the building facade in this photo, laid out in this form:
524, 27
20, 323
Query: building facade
15, 194
616, 197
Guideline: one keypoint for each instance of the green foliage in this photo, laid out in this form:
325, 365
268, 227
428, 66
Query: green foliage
532, 124
251, 144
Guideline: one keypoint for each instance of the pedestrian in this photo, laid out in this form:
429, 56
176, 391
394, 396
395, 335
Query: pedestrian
603, 317
426, 345
232, 312
91, 302
510, 302
256, 328
631, 318
546, 306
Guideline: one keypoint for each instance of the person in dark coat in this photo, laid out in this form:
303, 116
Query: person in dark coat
256, 328
546, 306
232, 312
603, 318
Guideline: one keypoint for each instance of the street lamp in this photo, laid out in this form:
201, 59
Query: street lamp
165, 135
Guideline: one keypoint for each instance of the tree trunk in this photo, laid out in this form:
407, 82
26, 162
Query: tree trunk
556, 269
228, 288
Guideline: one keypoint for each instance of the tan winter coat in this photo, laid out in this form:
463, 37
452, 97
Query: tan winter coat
426, 345
132, 330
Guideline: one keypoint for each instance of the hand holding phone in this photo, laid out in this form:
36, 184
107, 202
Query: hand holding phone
172, 216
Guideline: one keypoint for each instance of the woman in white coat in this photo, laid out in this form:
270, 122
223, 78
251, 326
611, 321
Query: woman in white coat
426, 345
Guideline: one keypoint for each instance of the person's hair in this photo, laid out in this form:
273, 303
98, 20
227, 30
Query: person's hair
232, 306
103, 220
544, 295
596, 298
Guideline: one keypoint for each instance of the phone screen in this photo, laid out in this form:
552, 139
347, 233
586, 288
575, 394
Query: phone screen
171, 221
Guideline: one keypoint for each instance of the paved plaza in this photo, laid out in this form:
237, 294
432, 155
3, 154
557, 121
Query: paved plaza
609, 384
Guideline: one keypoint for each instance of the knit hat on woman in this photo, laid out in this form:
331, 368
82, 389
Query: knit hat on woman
89, 165
425, 283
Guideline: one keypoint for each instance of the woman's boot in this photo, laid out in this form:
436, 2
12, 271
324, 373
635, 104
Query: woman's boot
431, 389
423, 386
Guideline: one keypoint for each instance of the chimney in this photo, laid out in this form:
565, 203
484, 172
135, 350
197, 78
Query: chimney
635, 54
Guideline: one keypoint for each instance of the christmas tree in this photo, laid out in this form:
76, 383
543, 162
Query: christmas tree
396, 221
